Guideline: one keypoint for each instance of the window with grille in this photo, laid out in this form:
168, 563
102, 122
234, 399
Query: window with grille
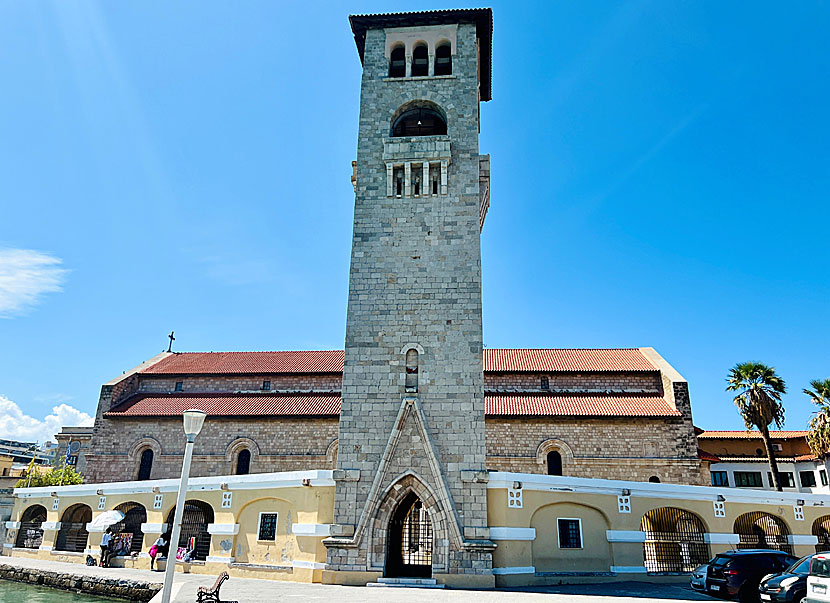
267, 527
419, 122
570, 533
748, 479
808, 478
545, 383
720, 478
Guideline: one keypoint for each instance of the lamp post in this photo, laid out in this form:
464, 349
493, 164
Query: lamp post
193, 421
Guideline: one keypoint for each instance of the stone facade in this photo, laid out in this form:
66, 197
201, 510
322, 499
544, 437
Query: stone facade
415, 283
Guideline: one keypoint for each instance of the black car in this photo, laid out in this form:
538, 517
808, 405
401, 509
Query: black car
736, 574
790, 585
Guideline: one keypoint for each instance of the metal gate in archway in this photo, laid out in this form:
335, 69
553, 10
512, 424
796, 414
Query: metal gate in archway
409, 549
30, 533
194, 533
674, 541
134, 515
759, 530
821, 530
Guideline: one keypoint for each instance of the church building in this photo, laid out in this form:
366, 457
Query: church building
413, 414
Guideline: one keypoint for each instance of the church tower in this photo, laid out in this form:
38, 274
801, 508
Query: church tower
411, 484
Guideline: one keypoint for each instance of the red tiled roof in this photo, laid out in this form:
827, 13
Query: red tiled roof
565, 360
707, 456
750, 435
806, 457
577, 405
230, 405
331, 361
328, 404
235, 363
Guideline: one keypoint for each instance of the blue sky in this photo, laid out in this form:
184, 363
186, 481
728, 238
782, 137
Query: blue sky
659, 178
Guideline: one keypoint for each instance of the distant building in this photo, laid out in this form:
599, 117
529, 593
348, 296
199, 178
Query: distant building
22, 452
738, 460
77, 458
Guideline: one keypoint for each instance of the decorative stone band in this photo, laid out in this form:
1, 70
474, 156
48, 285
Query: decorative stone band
629, 569
89, 551
507, 533
45, 547
8, 545
51, 525
153, 528
223, 529
12, 525
217, 559
92, 528
311, 529
802, 539
308, 564
625, 536
727, 538
504, 571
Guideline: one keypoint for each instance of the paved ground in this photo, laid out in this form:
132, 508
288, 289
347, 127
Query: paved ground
247, 590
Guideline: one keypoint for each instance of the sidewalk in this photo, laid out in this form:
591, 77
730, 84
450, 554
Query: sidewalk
249, 590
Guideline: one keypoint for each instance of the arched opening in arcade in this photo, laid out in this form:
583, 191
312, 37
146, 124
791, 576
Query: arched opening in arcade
674, 541
72, 535
127, 537
30, 534
194, 537
760, 530
410, 541
821, 530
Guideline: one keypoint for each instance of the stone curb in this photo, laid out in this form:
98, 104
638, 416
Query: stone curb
132, 590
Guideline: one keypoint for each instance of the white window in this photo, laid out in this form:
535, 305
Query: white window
267, 528
102, 503
570, 532
227, 500
157, 501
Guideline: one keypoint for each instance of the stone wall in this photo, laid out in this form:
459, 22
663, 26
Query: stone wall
575, 382
122, 588
285, 444
630, 449
244, 383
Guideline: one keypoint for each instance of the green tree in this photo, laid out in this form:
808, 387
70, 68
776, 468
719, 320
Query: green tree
819, 435
759, 402
51, 477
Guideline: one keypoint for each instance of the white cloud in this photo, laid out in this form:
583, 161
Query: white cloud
15, 425
25, 275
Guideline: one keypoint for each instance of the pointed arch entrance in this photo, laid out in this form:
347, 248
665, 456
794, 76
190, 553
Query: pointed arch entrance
410, 540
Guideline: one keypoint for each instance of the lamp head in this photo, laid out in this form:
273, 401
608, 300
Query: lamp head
193, 421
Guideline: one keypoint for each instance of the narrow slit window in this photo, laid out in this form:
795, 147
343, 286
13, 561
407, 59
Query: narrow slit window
545, 383
179, 386
398, 176
266, 385
411, 380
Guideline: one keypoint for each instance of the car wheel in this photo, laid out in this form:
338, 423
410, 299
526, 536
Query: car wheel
748, 594
800, 598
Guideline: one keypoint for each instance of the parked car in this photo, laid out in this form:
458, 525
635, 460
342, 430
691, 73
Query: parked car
790, 585
736, 574
818, 582
698, 579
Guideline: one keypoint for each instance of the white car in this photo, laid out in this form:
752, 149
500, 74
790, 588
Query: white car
818, 582
698, 579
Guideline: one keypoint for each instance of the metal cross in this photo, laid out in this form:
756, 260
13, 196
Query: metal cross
172, 339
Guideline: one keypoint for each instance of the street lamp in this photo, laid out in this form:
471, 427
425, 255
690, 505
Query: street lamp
193, 421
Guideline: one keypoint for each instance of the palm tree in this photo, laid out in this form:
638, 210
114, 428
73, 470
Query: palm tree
819, 435
759, 402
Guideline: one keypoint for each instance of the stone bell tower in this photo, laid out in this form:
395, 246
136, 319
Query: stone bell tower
411, 496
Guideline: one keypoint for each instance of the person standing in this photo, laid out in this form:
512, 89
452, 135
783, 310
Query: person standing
159, 549
106, 539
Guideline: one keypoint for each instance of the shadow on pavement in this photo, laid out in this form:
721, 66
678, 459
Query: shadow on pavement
634, 590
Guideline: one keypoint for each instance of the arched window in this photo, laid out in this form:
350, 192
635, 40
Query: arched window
420, 61
654, 479
30, 534
821, 530
443, 60
411, 380
419, 122
243, 462
397, 62
146, 465
554, 463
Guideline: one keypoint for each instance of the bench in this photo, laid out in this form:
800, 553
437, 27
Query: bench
206, 595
